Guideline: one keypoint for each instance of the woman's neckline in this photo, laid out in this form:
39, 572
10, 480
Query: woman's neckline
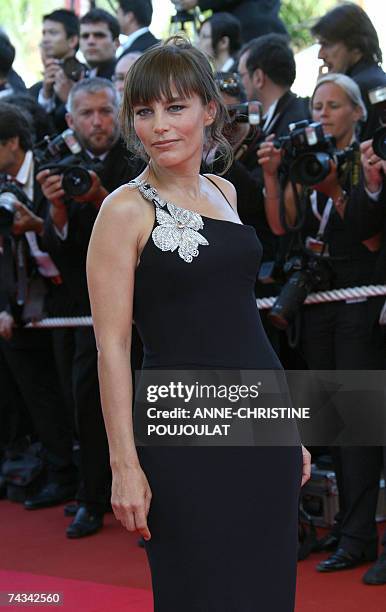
145, 181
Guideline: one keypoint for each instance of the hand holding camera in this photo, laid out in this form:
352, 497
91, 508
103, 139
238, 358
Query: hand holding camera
374, 167
25, 220
51, 185
51, 69
60, 76
269, 157
96, 193
64, 157
62, 85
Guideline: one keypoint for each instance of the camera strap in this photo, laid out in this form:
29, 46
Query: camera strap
324, 217
21, 272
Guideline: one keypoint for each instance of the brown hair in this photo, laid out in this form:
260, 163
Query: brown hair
177, 63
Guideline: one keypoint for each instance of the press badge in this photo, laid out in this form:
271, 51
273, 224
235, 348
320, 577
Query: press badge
317, 246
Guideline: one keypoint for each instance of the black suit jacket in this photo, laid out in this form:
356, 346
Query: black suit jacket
289, 109
143, 42
23, 339
70, 255
106, 69
368, 75
257, 17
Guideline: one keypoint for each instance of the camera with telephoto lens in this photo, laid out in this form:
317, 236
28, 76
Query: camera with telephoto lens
377, 98
309, 152
64, 155
305, 274
9, 194
74, 69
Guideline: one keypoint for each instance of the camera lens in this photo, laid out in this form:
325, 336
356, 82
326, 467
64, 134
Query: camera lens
76, 181
290, 299
310, 168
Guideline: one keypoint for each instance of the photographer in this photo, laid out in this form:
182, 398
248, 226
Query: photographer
267, 69
349, 44
60, 41
28, 282
92, 106
335, 335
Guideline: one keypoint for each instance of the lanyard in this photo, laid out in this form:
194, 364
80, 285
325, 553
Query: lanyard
326, 212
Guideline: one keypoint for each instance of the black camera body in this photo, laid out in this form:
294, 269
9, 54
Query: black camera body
246, 112
9, 194
308, 152
74, 69
377, 98
64, 155
304, 274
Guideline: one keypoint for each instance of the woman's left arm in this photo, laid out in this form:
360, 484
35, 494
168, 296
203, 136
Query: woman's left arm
306, 475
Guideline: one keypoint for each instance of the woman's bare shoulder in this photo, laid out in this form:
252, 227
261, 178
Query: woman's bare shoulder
226, 186
125, 203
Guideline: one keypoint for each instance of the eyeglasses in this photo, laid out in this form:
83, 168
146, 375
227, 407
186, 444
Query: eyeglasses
118, 78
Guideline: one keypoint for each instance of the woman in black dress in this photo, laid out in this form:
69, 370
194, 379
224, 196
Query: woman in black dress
220, 523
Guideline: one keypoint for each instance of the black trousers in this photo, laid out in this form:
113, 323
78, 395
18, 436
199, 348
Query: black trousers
76, 356
27, 369
337, 336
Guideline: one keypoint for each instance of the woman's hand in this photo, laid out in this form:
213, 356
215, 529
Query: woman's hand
130, 499
373, 167
306, 465
269, 157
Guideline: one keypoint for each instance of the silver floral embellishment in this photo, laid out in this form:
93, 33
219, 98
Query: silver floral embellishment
178, 227
179, 230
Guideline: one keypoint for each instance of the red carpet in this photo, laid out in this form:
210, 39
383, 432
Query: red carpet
108, 571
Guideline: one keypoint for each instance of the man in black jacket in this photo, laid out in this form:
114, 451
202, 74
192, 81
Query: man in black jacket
267, 70
257, 17
349, 44
60, 40
28, 283
93, 105
134, 18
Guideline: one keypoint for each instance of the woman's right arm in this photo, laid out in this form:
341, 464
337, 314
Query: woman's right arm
111, 262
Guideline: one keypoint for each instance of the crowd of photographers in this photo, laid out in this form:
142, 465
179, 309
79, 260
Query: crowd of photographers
309, 174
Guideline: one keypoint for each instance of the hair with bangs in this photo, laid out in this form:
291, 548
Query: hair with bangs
174, 63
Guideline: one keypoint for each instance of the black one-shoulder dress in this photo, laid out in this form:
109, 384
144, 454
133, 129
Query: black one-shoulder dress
223, 519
